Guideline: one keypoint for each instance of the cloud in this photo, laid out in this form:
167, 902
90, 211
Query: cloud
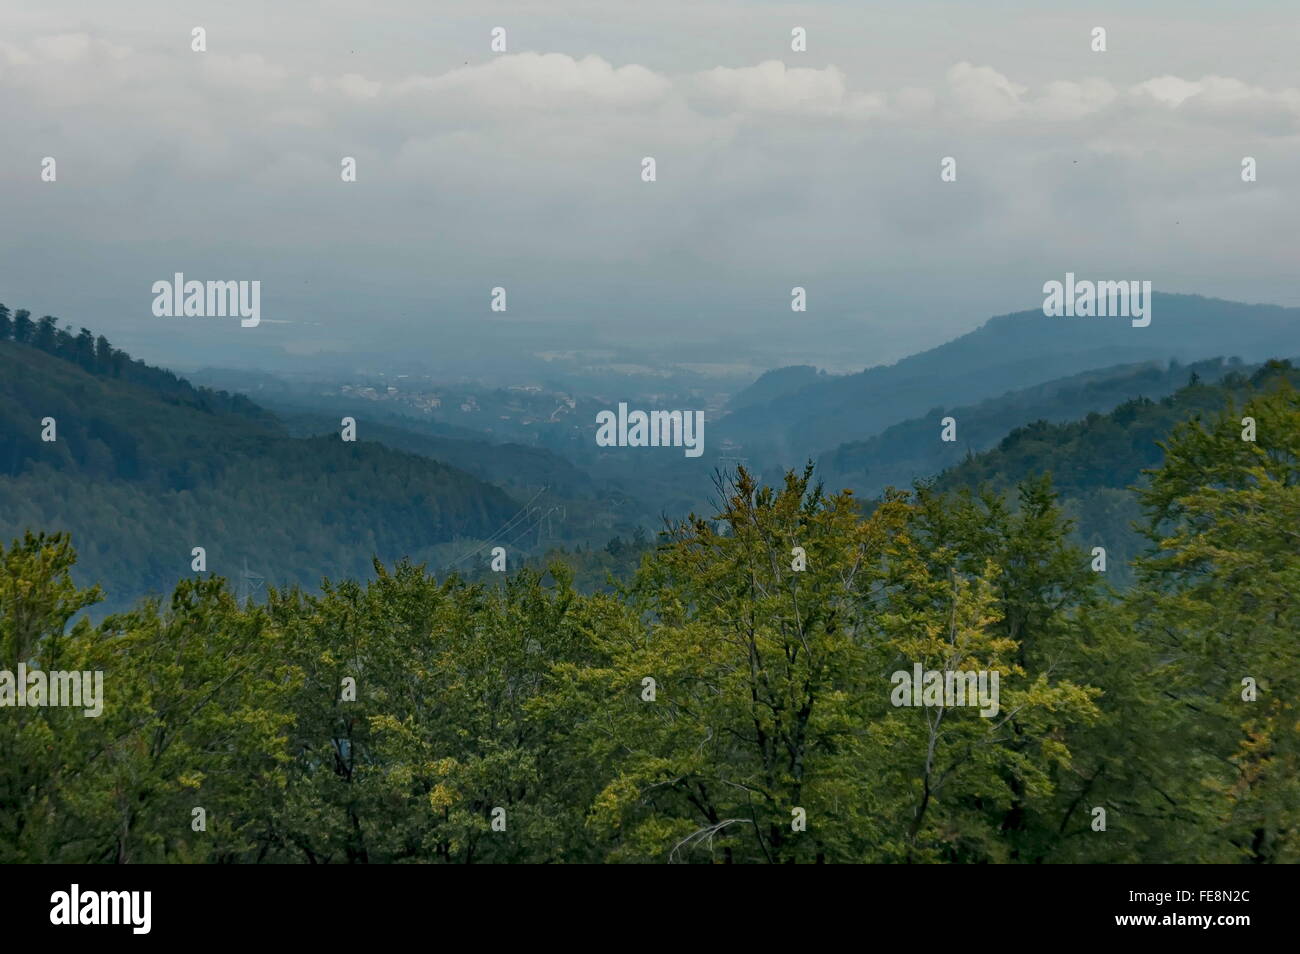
772, 87
543, 81
354, 86
247, 71
983, 93
1167, 90
1223, 100
525, 166
1066, 101
61, 50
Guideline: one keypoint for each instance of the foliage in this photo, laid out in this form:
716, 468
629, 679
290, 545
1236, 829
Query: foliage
146, 465
514, 723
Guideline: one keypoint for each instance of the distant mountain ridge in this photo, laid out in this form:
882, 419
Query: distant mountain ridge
513, 467
774, 384
1007, 352
912, 449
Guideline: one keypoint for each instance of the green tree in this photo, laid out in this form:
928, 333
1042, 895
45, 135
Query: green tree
1218, 599
773, 691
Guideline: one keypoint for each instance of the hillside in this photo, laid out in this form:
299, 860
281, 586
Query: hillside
530, 701
514, 467
775, 384
912, 450
1011, 351
1096, 462
146, 467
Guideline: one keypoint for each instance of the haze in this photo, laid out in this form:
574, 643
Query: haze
522, 170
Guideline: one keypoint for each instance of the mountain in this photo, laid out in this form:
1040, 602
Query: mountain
514, 467
1011, 351
774, 384
1095, 462
913, 450
144, 467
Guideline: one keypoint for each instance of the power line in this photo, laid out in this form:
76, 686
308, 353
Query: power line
506, 528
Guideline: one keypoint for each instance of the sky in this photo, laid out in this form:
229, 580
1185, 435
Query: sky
522, 169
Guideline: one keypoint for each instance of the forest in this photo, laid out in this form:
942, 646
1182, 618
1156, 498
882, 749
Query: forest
146, 464
730, 703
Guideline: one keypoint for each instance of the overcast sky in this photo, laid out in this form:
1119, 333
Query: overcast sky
775, 168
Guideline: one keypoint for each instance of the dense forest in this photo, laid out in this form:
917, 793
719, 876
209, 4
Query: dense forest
145, 464
723, 693
911, 450
1099, 464
730, 704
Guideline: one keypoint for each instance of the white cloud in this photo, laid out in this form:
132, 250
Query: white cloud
543, 81
1168, 90
249, 71
771, 86
1066, 101
352, 85
985, 94
1219, 94
530, 160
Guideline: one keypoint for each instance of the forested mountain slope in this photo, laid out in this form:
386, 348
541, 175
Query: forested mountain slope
1010, 351
912, 450
660, 722
1099, 464
144, 468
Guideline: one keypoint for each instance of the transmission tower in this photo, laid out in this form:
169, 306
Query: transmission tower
249, 584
